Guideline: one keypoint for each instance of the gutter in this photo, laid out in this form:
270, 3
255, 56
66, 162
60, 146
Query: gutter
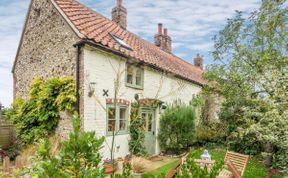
98, 45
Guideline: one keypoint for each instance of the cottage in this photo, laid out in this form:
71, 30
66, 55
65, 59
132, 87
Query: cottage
66, 38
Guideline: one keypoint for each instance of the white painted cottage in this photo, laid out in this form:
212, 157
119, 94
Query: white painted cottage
64, 37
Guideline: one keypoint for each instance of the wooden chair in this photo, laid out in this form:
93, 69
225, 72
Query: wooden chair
235, 165
176, 168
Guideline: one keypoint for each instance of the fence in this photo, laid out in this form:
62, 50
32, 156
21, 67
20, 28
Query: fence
6, 134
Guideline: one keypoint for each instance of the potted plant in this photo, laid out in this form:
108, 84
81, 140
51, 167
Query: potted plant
110, 166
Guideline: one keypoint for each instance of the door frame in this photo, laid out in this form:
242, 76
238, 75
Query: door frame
153, 111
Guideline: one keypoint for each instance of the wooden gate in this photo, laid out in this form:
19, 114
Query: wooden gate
6, 134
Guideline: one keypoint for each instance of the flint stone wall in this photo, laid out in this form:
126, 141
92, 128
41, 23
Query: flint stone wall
47, 47
65, 125
46, 51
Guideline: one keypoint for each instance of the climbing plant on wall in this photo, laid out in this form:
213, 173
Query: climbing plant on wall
38, 116
137, 133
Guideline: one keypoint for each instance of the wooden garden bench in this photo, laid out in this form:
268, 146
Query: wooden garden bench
235, 165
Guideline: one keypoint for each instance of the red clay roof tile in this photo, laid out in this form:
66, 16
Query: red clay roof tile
98, 28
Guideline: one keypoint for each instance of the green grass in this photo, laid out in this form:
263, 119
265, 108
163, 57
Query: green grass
161, 170
254, 169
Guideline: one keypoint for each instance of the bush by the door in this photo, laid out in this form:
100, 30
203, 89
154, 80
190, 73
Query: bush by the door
177, 128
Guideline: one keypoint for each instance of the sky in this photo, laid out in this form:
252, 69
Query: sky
191, 24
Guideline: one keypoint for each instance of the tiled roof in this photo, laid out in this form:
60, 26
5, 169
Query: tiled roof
92, 25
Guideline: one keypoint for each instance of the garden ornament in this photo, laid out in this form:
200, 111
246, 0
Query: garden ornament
206, 155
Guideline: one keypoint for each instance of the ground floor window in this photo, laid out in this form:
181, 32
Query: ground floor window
117, 119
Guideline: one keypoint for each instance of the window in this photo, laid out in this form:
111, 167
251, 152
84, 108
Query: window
147, 121
123, 119
134, 76
111, 119
117, 119
121, 42
129, 75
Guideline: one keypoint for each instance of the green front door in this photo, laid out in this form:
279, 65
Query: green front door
148, 120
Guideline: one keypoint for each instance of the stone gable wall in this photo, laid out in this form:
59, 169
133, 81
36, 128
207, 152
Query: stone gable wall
47, 48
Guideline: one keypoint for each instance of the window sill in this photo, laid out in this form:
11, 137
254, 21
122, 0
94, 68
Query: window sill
134, 86
109, 134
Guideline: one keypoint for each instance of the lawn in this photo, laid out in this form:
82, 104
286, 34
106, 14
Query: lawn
255, 169
161, 170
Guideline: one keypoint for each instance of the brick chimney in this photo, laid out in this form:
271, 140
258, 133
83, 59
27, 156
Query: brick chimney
198, 61
162, 39
119, 15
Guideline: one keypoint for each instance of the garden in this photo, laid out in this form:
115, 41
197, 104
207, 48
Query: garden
242, 109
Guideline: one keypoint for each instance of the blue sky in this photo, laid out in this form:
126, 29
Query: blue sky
190, 23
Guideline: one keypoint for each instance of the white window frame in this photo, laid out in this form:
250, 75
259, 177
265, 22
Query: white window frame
134, 75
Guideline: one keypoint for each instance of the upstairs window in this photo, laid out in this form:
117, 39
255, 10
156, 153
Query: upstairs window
134, 76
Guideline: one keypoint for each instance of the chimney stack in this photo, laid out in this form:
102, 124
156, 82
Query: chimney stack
163, 40
119, 15
160, 27
198, 61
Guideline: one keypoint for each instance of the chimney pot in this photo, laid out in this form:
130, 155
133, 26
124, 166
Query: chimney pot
160, 26
119, 3
165, 32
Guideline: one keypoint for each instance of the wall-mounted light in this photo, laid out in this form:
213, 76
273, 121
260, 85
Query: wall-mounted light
91, 89
163, 106
137, 96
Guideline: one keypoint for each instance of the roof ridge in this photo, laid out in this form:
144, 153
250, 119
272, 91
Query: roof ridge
90, 9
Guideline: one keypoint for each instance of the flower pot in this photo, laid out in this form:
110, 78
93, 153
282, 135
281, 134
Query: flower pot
109, 169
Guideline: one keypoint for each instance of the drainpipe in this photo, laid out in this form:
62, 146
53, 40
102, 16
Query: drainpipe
78, 48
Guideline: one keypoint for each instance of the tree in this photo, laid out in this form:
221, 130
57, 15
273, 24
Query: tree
251, 72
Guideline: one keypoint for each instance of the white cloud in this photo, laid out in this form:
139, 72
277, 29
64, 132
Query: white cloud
191, 23
12, 16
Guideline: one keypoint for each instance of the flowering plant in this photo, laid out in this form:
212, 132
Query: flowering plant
109, 161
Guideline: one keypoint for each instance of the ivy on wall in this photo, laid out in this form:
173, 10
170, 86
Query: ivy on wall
137, 133
38, 116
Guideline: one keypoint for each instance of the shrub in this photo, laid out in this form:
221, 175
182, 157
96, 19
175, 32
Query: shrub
177, 128
212, 133
247, 144
79, 156
38, 116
